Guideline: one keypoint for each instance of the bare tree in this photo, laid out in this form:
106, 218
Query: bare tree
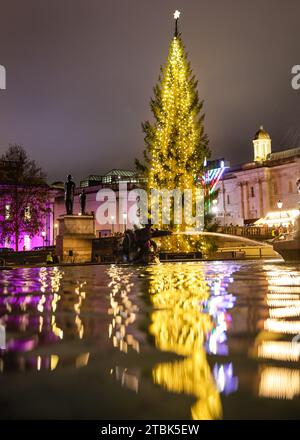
23, 196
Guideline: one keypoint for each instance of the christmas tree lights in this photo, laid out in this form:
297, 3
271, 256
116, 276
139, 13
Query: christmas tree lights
176, 143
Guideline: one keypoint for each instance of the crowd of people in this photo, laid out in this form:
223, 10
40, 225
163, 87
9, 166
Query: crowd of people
282, 230
52, 258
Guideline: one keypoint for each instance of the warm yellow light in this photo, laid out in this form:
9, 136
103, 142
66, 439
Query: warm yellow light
53, 362
280, 326
82, 360
178, 325
279, 383
279, 350
284, 312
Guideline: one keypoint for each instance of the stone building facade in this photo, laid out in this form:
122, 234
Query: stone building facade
250, 191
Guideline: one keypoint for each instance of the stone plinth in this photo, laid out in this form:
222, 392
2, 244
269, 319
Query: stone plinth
74, 239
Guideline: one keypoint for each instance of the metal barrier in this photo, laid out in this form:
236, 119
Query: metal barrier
255, 232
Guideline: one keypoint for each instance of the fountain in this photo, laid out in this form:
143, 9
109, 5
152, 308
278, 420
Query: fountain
227, 247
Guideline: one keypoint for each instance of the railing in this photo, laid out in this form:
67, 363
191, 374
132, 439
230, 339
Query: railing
255, 232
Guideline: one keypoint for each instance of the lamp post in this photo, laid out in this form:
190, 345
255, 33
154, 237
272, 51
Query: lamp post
279, 206
43, 235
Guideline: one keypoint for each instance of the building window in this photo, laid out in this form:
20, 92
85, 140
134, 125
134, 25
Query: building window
7, 212
27, 243
290, 186
252, 191
275, 189
27, 215
228, 199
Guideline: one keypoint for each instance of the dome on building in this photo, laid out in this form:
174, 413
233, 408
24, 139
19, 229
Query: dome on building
261, 134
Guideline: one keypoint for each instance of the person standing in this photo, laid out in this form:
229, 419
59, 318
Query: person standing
82, 200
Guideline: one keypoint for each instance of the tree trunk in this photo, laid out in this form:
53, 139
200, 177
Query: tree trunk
17, 240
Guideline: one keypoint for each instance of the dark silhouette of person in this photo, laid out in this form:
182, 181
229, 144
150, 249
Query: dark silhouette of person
82, 200
69, 194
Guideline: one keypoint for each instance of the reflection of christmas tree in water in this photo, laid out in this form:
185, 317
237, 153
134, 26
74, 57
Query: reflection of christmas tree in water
177, 293
218, 305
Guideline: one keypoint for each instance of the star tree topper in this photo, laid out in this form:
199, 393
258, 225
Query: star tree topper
176, 17
176, 14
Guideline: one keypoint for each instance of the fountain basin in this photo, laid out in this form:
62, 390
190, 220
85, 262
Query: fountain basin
288, 249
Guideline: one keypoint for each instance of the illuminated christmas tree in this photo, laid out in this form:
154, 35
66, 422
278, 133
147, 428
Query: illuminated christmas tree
176, 144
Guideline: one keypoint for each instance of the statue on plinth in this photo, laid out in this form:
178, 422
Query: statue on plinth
69, 194
82, 200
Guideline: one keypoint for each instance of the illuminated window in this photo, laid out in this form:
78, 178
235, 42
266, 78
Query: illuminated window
7, 212
27, 215
27, 242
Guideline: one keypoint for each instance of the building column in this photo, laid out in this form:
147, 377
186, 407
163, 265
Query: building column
266, 197
224, 203
261, 201
247, 200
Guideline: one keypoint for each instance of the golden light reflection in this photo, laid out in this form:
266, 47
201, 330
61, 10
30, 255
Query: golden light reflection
283, 277
279, 350
39, 363
179, 325
53, 362
122, 310
283, 301
281, 326
55, 329
82, 360
285, 312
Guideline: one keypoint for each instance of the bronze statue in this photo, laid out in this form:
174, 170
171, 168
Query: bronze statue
82, 200
69, 194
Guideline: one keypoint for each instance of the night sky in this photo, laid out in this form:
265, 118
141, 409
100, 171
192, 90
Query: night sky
80, 75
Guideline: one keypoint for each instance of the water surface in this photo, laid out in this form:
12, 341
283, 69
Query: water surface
206, 340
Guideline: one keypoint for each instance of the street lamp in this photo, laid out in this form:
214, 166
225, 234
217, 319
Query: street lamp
43, 235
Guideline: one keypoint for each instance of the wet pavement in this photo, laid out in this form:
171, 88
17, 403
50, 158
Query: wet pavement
207, 340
